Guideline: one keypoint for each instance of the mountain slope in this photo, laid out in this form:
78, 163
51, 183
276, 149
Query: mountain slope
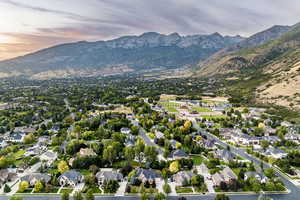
130, 53
271, 71
221, 61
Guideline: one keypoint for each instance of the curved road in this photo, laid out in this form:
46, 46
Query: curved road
294, 190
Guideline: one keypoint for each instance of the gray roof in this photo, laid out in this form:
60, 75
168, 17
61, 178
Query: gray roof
179, 153
38, 176
147, 173
72, 175
109, 175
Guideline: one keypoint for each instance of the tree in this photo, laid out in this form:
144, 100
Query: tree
197, 180
109, 154
159, 196
144, 196
174, 166
62, 166
150, 153
6, 189
90, 195
65, 196
28, 139
129, 153
38, 186
167, 188
15, 198
139, 149
221, 197
23, 185
78, 196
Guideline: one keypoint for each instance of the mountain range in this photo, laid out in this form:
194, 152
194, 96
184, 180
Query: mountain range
148, 51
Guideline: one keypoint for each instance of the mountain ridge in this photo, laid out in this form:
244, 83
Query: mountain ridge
146, 51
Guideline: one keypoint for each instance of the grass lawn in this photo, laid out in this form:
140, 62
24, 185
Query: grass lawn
28, 190
94, 188
136, 189
67, 190
85, 172
201, 109
54, 190
169, 106
197, 159
183, 189
19, 154
211, 117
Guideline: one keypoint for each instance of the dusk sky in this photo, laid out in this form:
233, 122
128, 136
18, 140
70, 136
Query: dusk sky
29, 25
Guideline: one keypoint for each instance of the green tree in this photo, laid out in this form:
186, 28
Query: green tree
62, 166
109, 154
144, 196
38, 186
167, 188
65, 196
78, 196
6, 189
159, 196
129, 153
150, 153
221, 197
15, 198
23, 185
90, 195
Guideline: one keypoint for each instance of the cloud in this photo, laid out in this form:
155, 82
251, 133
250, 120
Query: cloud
107, 19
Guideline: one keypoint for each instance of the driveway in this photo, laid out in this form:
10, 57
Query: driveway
122, 189
77, 188
159, 184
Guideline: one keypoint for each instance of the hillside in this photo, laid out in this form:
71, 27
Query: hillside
149, 51
225, 60
271, 70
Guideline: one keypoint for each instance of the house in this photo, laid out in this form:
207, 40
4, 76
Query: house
48, 157
71, 178
104, 176
173, 143
286, 124
86, 152
217, 179
246, 139
225, 155
17, 137
33, 178
7, 176
3, 143
271, 139
183, 178
203, 170
270, 131
291, 136
226, 176
145, 175
275, 153
178, 154
258, 176
33, 151
159, 135
125, 130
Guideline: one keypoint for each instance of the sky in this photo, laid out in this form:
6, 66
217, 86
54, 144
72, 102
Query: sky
29, 25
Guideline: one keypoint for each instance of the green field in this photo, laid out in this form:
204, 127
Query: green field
183, 189
197, 160
200, 109
169, 106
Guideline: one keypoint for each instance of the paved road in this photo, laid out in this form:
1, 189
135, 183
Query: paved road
294, 190
149, 142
